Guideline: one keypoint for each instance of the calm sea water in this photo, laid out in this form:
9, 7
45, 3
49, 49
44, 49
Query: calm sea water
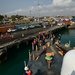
67, 35
14, 65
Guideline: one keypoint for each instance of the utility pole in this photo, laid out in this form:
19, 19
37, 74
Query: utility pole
30, 13
38, 12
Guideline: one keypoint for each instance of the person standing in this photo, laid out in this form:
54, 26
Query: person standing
43, 41
22, 35
6, 35
53, 38
59, 38
11, 37
34, 43
1, 36
27, 71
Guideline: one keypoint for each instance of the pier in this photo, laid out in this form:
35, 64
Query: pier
28, 35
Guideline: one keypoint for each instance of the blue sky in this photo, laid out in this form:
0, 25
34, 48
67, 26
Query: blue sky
46, 7
11, 5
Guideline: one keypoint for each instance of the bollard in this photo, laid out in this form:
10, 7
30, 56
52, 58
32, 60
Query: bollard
36, 48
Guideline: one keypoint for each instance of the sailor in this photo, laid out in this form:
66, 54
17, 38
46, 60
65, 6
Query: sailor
29, 72
37, 41
59, 38
40, 35
22, 35
6, 35
34, 42
11, 37
53, 38
43, 41
1, 36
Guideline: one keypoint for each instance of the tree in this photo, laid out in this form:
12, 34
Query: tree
1, 17
5, 16
73, 16
13, 17
16, 16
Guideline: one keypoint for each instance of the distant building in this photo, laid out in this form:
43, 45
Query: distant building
66, 22
73, 19
25, 18
10, 20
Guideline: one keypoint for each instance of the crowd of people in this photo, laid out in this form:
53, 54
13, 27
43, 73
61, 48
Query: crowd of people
41, 39
6, 35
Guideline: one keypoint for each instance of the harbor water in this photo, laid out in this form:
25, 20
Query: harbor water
14, 65
68, 35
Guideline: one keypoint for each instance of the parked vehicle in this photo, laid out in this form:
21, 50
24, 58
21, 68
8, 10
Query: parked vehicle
11, 30
31, 26
59, 24
25, 27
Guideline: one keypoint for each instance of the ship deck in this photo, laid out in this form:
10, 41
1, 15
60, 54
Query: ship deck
40, 66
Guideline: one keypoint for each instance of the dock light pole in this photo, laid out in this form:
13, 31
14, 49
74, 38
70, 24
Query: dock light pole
29, 56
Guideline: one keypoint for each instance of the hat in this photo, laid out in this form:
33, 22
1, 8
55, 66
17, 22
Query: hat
26, 68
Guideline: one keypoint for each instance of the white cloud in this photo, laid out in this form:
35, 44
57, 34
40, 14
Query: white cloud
61, 2
16, 11
58, 7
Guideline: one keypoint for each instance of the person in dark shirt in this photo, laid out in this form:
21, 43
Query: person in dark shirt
59, 38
